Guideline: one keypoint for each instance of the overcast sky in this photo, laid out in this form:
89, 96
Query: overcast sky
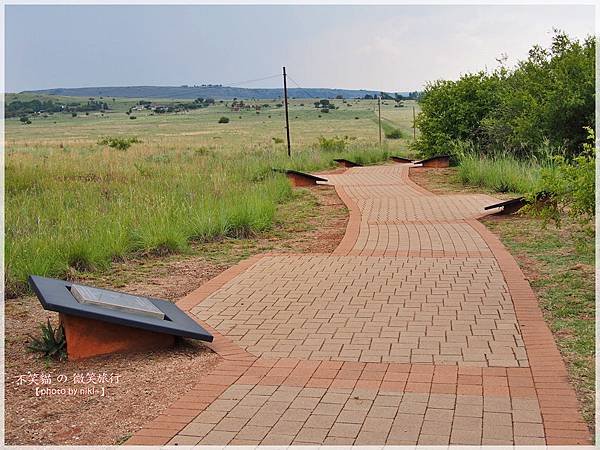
390, 48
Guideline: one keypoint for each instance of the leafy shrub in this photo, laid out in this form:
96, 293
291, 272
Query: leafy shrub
334, 144
549, 97
119, 143
52, 343
73, 114
224, 119
325, 110
570, 187
452, 111
24, 119
277, 140
132, 117
394, 133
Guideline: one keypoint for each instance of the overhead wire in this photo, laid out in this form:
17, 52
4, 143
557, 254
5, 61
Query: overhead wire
300, 87
239, 83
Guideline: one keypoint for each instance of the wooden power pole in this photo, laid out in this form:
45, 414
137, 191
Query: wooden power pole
379, 106
287, 119
414, 125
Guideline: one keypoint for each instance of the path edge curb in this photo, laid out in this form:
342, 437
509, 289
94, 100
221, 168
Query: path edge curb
556, 396
234, 363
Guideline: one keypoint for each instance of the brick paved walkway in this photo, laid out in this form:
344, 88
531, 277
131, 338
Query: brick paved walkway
419, 329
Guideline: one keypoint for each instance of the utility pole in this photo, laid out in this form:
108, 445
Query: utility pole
379, 106
287, 119
414, 125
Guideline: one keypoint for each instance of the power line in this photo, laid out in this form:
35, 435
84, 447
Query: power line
250, 81
300, 87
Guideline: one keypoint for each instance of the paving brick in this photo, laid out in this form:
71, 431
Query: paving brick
218, 438
320, 421
230, 424
465, 436
528, 429
277, 439
286, 428
503, 419
296, 415
442, 401
468, 410
493, 431
370, 438
197, 429
328, 409
344, 430
436, 428
312, 435
425, 439
184, 440
253, 432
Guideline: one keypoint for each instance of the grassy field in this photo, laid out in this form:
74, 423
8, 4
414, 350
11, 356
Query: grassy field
75, 205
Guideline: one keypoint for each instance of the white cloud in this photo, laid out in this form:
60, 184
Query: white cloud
403, 52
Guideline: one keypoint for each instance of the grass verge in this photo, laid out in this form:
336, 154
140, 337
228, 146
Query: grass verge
500, 174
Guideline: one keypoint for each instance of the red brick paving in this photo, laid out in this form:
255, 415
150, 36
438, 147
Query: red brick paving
419, 329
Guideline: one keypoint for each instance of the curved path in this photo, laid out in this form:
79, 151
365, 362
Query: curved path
418, 329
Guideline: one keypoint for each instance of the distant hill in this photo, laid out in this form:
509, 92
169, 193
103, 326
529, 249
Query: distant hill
190, 92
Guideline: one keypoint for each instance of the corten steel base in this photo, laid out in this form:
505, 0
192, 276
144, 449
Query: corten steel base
88, 337
401, 160
300, 179
508, 207
436, 161
347, 163
515, 204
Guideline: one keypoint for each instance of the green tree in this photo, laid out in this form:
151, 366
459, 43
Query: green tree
453, 110
548, 97
538, 108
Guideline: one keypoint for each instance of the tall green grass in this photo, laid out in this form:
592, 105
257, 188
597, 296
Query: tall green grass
80, 210
390, 130
501, 173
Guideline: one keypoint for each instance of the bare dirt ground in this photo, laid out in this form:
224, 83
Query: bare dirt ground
314, 221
